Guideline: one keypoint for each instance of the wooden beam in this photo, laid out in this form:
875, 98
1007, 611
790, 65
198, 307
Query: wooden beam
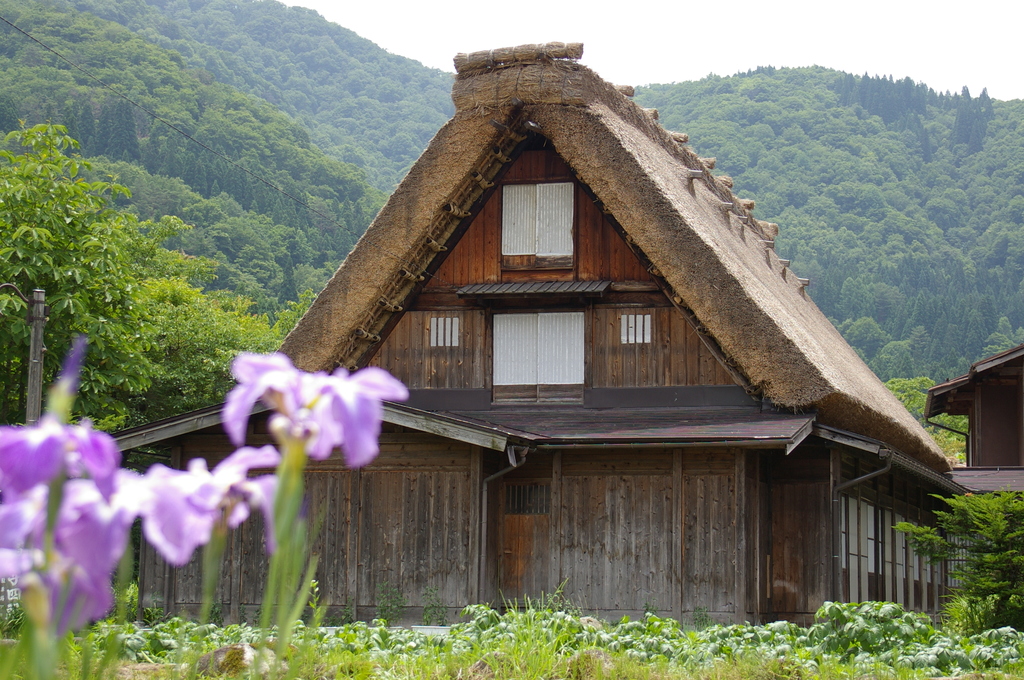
742, 563
424, 421
476, 551
555, 524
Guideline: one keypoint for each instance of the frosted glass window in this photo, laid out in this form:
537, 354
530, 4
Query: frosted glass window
538, 349
636, 328
515, 349
536, 219
444, 331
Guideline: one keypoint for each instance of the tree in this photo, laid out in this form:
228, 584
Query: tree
981, 534
913, 393
194, 339
8, 113
59, 233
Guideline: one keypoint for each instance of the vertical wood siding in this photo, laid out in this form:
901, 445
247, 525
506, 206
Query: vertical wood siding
801, 532
414, 533
409, 356
675, 354
709, 532
614, 552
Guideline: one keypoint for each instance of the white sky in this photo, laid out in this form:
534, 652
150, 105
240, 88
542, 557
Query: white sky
943, 43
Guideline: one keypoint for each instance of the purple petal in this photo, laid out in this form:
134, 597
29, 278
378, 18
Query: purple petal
14, 563
171, 522
360, 418
68, 379
237, 407
377, 383
31, 455
20, 518
329, 429
90, 532
97, 453
77, 596
238, 464
250, 368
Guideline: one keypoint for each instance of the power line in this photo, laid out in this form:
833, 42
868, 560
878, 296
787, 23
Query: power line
216, 153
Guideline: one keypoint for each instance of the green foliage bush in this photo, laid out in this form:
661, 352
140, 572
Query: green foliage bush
847, 640
980, 535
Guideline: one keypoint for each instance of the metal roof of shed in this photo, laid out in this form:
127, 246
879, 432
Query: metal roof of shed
575, 426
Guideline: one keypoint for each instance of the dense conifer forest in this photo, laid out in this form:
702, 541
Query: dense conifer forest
904, 206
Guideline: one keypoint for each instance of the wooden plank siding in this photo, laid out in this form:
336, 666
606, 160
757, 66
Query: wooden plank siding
675, 355
408, 355
599, 252
801, 530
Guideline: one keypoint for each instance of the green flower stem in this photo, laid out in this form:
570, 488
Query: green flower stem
287, 588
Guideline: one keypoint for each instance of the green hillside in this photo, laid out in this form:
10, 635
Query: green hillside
270, 247
905, 207
361, 104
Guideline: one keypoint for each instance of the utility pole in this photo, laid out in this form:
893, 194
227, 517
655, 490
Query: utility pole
37, 312
37, 319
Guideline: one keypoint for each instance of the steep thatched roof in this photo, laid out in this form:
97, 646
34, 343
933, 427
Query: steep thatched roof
715, 258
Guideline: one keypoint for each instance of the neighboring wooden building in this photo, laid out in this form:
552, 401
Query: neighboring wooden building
991, 395
618, 388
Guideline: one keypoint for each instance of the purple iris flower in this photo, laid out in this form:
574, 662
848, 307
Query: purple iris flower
180, 508
90, 535
34, 455
325, 410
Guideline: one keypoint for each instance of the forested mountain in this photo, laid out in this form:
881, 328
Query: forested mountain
904, 206
270, 247
361, 104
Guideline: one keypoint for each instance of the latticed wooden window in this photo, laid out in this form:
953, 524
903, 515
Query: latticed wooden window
444, 331
636, 328
528, 499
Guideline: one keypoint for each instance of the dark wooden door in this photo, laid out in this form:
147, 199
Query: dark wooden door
525, 539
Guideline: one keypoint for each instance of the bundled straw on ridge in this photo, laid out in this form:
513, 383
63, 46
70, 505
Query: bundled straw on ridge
550, 83
503, 56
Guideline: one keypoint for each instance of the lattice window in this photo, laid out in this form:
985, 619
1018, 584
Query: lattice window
636, 329
532, 349
444, 331
528, 499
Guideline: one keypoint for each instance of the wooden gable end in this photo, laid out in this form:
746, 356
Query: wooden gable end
599, 252
633, 335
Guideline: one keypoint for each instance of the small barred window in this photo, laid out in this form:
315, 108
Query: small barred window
636, 328
444, 331
528, 499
